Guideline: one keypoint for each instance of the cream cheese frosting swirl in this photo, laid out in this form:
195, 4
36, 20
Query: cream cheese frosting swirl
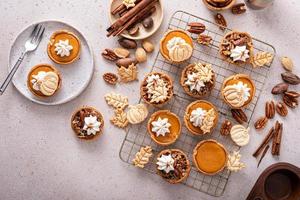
63, 48
237, 94
165, 163
91, 125
161, 126
179, 49
240, 53
197, 117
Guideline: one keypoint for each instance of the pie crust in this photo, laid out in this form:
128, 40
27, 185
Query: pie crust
224, 43
184, 174
78, 117
34, 71
234, 79
175, 128
168, 36
210, 157
74, 42
144, 93
219, 5
194, 105
208, 85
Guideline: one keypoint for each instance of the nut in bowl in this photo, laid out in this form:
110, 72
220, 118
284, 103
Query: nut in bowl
44, 80
164, 127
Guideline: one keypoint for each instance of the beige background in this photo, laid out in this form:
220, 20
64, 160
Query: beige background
39, 155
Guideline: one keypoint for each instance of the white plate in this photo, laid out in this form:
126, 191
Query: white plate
75, 76
157, 17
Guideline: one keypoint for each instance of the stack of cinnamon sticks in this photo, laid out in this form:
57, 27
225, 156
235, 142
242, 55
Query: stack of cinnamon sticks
130, 17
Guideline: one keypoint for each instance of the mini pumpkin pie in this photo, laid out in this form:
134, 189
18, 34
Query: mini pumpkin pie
238, 90
237, 48
173, 165
219, 4
44, 80
156, 89
176, 46
63, 47
201, 117
198, 79
87, 123
164, 127
210, 157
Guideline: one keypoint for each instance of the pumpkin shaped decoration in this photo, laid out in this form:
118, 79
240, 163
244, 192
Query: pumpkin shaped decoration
237, 94
49, 84
240, 135
179, 50
137, 113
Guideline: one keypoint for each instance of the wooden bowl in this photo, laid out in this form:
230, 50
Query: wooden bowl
157, 17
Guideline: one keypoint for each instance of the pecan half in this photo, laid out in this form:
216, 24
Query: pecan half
281, 109
289, 101
109, 54
196, 27
238, 9
204, 39
270, 109
290, 78
110, 78
292, 94
261, 123
239, 115
225, 127
280, 88
220, 19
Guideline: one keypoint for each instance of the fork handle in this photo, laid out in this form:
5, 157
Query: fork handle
12, 73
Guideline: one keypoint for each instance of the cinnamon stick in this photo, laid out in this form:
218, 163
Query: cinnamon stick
265, 142
130, 14
263, 154
118, 9
148, 14
277, 139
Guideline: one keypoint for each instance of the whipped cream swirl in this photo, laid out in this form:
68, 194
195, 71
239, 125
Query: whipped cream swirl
197, 116
161, 126
165, 163
240, 53
91, 125
179, 49
237, 94
63, 48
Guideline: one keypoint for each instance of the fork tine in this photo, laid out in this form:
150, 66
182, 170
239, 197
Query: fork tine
36, 33
33, 31
40, 36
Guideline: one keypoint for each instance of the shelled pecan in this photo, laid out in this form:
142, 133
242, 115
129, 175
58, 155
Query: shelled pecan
261, 123
270, 109
204, 39
290, 101
196, 27
239, 115
225, 128
220, 19
290, 78
109, 55
110, 78
238, 9
292, 94
281, 109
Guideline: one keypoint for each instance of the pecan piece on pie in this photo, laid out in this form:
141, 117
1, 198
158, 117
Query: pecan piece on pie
110, 78
221, 21
239, 115
204, 39
196, 27
225, 128
239, 8
270, 109
281, 109
261, 123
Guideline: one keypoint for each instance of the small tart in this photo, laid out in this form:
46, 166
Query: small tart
85, 115
174, 128
205, 105
195, 71
219, 4
73, 41
181, 166
236, 40
159, 91
210, 157
178, 52
44, 68
235, 79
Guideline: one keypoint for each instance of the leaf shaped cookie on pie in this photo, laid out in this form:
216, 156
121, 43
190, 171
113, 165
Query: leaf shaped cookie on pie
128, 74
116, 100
142, 157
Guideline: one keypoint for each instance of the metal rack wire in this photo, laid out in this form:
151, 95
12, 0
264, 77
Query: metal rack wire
137, 135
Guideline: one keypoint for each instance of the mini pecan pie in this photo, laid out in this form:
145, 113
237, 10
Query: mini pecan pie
238, 90
210, 157
176, 46
63, 47
237, 48
44, 80
201, 117
198, 79
164, 127
173, 165
219, 4
156, 89
87, 123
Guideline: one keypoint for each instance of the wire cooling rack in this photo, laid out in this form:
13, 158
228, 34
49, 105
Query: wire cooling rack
137, 135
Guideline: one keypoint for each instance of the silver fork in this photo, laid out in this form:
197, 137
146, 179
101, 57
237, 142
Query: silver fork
30, 45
